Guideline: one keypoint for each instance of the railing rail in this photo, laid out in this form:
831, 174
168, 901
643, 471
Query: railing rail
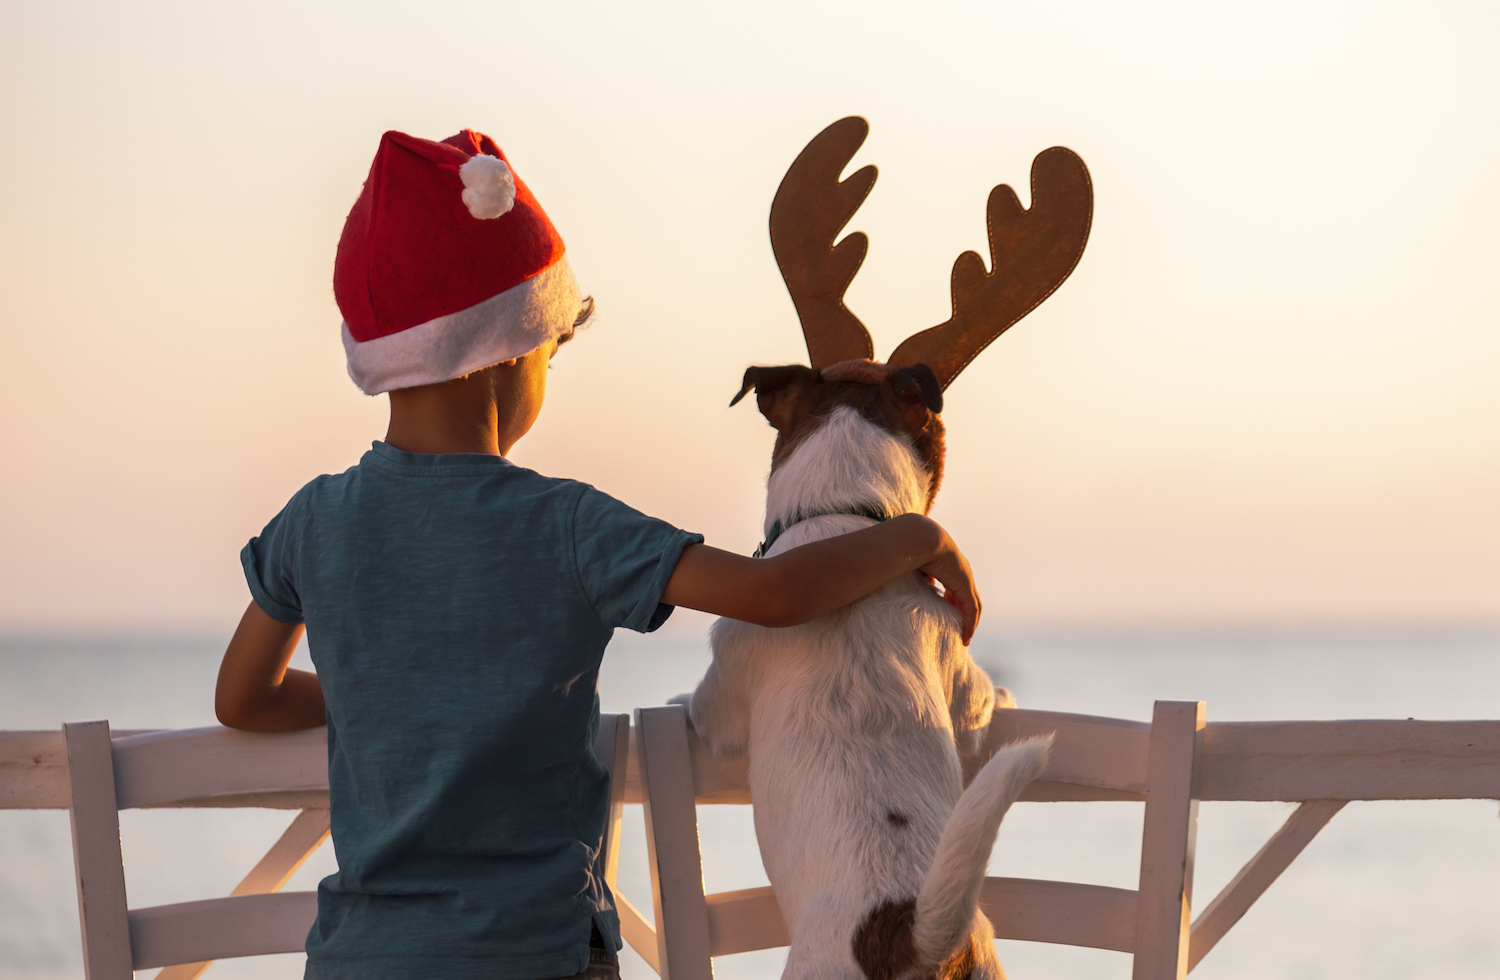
1321, 765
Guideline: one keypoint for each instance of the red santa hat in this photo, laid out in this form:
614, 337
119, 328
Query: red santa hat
447, 265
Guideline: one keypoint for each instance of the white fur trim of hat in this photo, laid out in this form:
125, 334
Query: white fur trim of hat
513, 323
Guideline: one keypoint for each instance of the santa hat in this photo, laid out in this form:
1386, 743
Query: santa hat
447, 265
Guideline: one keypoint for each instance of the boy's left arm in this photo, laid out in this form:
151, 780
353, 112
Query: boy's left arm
256, 690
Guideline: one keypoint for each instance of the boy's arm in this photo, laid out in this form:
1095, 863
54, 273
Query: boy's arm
804, 583
256, 691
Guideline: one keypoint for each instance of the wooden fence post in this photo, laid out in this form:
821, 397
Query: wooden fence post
99, 871
1164, 898
672, 845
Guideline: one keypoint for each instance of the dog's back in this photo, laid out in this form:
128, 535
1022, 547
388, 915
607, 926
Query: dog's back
874, 847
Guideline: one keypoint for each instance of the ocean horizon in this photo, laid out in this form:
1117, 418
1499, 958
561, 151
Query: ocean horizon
1389, 889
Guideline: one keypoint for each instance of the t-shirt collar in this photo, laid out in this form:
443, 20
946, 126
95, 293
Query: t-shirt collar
388, 453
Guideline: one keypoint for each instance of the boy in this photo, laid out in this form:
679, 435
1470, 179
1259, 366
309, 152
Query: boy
457, 606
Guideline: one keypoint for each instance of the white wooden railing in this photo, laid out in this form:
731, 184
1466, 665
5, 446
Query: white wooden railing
1321, 765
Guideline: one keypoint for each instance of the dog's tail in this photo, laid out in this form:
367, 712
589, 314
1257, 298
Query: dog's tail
950, 893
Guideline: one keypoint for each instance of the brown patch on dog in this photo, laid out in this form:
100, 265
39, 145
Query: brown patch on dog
796, 399
885, 950
896, 818
883, 944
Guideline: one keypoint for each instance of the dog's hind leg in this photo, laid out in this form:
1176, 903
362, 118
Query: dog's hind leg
821, 949
978, 961
948, 901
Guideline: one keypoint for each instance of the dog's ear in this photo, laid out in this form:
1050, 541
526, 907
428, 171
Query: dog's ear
778, 390
918, 385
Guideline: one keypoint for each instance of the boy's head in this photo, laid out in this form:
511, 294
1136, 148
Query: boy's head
448, 266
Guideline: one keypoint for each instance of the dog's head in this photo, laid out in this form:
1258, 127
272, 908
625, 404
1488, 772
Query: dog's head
906, 402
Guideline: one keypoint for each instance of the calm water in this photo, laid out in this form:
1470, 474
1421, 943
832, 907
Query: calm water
1387, 890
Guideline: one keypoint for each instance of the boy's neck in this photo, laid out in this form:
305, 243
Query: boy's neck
459, 416
419, 426
484, 412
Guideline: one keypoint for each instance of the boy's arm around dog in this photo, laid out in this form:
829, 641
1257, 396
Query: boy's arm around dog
811, 581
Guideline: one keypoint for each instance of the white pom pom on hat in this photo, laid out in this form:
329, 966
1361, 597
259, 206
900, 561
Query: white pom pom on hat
489, 188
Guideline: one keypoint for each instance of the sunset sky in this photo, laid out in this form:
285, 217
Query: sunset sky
1268, 395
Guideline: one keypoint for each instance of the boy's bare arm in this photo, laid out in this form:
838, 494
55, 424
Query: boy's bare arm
256, 691
804, 583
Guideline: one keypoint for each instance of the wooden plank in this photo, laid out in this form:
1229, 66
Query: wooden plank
681, 912
34, 769
1092, 758
292, 799
637, 932
1106, 753
715, 780
1257, 874
612, 746
625, 787
1351, 760
740, 921
222, 928
1164, 899
97, 865
194, 763
1046, 791
1382, 759
270, 874
634, 791
1062, 912
289, 853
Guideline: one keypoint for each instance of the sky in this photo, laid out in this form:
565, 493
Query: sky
1266, 397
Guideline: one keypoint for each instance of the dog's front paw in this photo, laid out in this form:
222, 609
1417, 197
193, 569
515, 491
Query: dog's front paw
1003, 697
686, 700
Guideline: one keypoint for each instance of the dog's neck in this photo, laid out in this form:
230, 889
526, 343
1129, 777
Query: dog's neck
847, 465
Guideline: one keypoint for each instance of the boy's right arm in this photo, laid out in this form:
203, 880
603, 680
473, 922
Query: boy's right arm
804, 583
257, 692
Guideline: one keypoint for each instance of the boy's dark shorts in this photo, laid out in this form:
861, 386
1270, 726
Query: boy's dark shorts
603, 965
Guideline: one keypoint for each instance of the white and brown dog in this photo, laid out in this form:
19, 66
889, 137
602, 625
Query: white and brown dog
860, 726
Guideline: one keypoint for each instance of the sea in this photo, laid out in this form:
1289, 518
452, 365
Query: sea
1387, 890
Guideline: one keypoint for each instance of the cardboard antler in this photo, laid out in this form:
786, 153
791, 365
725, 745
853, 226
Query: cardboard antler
811, 207
1031, 252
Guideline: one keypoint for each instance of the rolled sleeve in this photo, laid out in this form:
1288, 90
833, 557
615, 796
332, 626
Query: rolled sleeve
624, 560
269, 561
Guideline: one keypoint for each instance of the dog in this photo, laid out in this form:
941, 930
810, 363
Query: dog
860, 726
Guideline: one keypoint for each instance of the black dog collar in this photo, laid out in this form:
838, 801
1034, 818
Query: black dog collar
777, 529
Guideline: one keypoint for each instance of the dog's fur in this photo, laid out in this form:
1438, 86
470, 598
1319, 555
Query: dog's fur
859, 725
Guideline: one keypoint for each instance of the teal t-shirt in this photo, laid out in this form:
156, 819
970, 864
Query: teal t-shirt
457, 609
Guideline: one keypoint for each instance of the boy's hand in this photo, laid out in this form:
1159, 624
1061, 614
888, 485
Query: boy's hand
951, 569
805, 583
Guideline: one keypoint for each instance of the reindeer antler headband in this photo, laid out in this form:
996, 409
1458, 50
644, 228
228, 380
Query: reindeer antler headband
1031, 252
